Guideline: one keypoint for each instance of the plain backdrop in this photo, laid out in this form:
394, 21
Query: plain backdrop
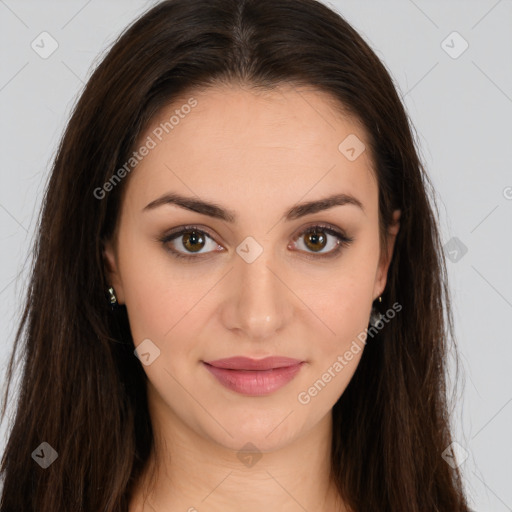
451, 63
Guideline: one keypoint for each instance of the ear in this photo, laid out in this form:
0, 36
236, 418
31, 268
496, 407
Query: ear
386, 256
112, 269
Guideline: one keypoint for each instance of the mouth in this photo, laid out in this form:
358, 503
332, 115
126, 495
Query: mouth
254, 377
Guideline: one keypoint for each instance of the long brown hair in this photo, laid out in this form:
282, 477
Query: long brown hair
82, 390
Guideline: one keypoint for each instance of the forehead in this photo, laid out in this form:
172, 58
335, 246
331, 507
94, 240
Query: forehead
253, 147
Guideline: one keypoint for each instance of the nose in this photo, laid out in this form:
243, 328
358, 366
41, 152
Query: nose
260, 303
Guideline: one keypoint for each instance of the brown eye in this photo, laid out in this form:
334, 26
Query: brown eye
316, 238
192, 240
189, 242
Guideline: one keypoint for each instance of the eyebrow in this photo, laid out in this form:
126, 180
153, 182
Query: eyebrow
218, 212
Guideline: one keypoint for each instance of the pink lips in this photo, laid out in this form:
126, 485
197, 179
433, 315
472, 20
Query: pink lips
254, 377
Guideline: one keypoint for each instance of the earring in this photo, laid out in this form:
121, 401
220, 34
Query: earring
375, 316
113, 298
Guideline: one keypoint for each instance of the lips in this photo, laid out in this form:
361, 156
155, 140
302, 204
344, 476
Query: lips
254, 377
246, 363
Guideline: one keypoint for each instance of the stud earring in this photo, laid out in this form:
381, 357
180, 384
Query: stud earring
113, 298
375, 316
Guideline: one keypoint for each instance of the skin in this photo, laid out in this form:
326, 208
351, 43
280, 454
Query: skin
258, 154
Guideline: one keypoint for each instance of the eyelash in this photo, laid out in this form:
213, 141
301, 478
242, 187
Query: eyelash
344, 240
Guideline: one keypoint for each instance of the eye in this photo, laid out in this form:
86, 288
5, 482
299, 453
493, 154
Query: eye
189, 239
316, 238
188, 242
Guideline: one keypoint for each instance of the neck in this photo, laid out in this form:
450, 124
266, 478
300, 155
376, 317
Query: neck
192, 473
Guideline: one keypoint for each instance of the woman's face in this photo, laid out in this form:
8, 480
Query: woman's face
253, 282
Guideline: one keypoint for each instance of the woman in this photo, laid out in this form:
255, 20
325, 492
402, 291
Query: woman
239, 297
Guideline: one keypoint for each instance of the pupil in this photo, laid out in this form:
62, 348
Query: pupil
193, 238
316, 239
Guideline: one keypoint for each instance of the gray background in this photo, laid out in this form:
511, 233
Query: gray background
461, 108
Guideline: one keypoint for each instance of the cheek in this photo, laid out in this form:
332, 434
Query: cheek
167, 302
155, 294
339, 343
343, 305
345, 311
344, 299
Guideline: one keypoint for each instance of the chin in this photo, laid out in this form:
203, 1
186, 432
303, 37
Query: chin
267, 434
